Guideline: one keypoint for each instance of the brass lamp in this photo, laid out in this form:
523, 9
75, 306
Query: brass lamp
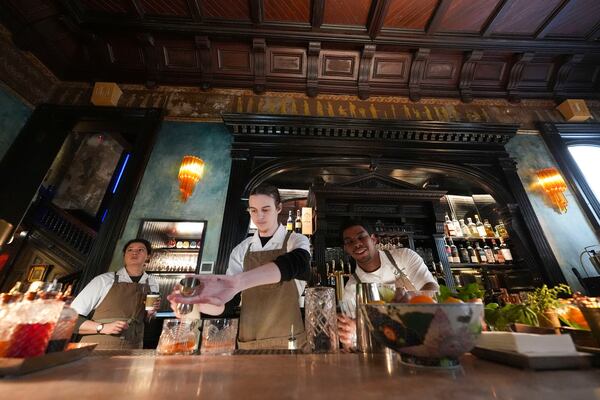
5, 231
190, 173
554, 185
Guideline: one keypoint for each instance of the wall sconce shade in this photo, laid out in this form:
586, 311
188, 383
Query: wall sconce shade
554, 185
190, 173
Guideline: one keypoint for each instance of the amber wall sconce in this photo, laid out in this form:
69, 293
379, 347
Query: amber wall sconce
190, 173
554, 185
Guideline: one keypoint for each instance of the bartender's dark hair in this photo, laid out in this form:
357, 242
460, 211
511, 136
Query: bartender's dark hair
267, 190
350, 222
139, 240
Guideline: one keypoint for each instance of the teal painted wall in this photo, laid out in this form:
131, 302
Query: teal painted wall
567, 233
158, 195
13, 115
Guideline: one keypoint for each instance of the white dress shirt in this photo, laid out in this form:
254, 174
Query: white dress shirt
407, 260
296, 241
94, 292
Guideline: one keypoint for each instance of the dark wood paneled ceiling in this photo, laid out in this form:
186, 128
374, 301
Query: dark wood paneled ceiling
441, 48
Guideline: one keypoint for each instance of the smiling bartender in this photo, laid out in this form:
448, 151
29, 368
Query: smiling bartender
265, 267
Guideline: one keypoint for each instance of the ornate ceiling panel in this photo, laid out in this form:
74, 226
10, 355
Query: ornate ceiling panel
417, 48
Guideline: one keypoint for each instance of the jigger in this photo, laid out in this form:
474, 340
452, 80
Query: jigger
189, 286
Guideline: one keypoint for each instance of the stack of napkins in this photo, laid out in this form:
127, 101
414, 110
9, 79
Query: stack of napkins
527, 343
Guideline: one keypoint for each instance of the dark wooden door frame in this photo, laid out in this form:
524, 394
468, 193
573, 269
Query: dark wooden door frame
264, 146
558, 138
28, 159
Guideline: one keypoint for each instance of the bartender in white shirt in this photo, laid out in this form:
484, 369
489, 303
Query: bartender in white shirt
111, 306
266, 268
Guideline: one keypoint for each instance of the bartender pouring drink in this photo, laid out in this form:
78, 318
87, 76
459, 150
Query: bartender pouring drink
268, 269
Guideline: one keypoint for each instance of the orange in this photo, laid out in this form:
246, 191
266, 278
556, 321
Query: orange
421, 299
452, 300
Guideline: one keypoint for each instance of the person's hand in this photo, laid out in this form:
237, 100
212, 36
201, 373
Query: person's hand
347, 331
114, 328
214, 289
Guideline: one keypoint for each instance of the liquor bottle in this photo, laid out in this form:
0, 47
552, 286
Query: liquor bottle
472, 254
479, 226
489, 254
457, 229
290, 222
481, 253
464, 254
448, 251
505, 252
449, 226
497, 253
298, 223
501, 230
473, 232
454, 252
489, 232
464, 228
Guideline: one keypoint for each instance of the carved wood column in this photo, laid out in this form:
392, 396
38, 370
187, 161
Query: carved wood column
515, 76
312, 69
467, 73
364, 72
417, 70
235, 220
259, 47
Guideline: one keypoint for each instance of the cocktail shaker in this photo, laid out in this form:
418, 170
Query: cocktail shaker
365, 342
189, 287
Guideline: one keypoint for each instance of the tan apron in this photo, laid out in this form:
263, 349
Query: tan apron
123, 302
269, 311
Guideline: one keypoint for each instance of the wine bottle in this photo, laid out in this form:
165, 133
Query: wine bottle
480, 253
454, 252
489, 254
479, 226
290, 222
464, 254
473, 232
457, 229
472, 254
449, 226
298, 223
497, 253
464, 228
505, 252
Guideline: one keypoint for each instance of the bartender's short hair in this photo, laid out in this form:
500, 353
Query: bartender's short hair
350, 222
139, 240
267, 190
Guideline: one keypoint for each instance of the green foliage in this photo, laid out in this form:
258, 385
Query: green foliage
501, 317
545, 298
464, 293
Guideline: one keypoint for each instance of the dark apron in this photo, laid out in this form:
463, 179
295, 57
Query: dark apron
123, 302
269, 311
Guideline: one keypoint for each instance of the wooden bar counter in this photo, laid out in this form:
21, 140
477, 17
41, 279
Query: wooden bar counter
142, 375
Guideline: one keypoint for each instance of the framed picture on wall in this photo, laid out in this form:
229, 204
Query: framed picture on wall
37, 272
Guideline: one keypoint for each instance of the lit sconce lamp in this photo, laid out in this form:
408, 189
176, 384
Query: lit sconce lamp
190, 173
554, 185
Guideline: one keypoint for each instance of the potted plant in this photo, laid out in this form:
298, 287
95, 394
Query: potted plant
544, 301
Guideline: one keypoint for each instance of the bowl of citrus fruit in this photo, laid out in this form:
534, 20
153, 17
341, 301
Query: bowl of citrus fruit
428, 329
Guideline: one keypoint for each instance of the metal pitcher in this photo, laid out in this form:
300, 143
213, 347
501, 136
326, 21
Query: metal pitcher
365, 342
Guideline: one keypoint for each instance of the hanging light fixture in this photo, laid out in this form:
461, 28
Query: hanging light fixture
190, 173
554, 185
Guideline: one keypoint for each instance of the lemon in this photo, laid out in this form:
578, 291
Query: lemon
386, 293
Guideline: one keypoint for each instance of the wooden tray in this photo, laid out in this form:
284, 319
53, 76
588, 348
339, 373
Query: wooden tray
541, 362
20, 366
